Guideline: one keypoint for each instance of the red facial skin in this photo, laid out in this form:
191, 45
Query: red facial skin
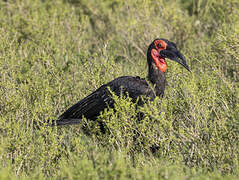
155, 53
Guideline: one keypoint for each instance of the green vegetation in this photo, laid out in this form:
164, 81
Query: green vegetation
53, 53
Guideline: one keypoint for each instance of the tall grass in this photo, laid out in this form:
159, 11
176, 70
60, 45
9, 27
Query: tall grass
53, 53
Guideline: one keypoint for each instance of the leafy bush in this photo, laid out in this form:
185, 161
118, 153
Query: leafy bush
53, 53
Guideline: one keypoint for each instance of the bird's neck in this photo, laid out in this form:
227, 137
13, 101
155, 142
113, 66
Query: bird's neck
157, 78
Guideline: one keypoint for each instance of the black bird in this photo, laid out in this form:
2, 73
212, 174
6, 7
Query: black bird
91, 106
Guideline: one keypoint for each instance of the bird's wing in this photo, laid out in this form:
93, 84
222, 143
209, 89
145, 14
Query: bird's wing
91, 106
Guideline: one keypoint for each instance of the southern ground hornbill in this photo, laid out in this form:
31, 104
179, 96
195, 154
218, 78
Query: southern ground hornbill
91, 106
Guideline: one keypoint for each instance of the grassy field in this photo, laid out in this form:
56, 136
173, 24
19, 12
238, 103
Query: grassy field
53, 53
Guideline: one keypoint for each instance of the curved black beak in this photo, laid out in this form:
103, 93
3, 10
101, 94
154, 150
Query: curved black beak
172, 53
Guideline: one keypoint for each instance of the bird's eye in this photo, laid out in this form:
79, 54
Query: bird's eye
159, 45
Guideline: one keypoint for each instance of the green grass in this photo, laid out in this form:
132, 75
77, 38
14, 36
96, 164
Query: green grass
53, 53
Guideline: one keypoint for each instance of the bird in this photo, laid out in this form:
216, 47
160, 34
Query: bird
92, 105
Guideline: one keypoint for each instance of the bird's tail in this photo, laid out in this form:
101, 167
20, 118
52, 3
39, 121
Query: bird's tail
58, 122
62, 122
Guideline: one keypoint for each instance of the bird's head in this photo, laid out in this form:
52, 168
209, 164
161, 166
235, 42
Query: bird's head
160, 49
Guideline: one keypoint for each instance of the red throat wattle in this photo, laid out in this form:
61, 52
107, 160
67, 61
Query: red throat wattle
158, 60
